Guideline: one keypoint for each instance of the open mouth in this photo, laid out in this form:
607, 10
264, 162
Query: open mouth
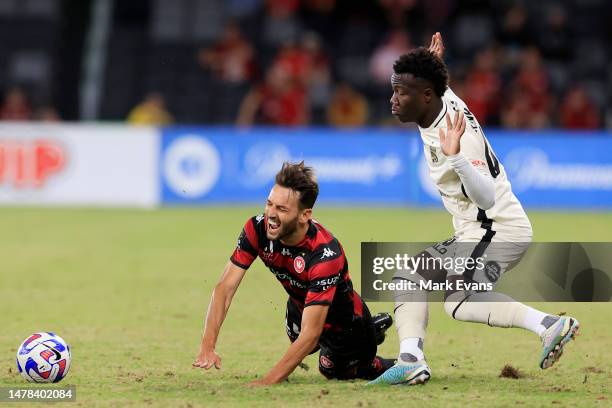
273, 224
394, 110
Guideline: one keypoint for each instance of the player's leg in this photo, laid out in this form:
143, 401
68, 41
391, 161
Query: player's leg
499, 310
411, 318
293, 322
350, 352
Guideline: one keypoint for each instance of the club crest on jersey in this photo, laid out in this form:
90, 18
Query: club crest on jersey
299, 264
493, 271
326, 362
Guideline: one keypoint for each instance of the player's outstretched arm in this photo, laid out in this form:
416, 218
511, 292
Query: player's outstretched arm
217, 310
313, 321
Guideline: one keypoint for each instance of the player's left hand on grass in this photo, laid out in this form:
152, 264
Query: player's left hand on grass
207, 359
450, 141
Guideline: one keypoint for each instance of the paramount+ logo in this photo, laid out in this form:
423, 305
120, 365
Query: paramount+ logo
29, 164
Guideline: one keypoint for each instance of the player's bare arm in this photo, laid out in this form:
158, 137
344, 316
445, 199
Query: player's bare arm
217, 310
313, 321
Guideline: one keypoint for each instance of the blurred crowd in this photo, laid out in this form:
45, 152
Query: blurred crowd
517, 64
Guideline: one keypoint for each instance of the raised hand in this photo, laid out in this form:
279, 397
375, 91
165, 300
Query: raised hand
450, 141
437, 45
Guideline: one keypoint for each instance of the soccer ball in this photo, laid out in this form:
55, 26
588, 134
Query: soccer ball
43, 358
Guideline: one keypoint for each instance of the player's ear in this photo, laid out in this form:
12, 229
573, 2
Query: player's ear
305, 215
428, 94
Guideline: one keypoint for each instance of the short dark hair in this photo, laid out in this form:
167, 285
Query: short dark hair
422, 63
300, 178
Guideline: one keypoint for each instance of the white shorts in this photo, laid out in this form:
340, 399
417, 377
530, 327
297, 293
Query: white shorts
492, 254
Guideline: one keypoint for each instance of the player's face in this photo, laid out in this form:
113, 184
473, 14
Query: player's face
282, 212
407, 102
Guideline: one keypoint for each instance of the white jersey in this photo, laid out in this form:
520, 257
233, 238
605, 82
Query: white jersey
507, 216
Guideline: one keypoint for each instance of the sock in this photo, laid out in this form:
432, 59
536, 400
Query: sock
537, 321
411, 350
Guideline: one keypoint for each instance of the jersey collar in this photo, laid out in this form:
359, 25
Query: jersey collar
439, 118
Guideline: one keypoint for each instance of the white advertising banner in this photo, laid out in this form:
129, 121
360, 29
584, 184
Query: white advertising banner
78, 164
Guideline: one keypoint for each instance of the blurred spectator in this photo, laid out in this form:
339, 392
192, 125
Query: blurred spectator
516, 113
15, 105
280, 100
318, 79
514, 30
293, 60
231, 59
473, 28
318, 16
242, 8
482, 86
529, 101
381, 63
348, 108
490, 56
151, 111
47, 114
280, 22
555, 37
577, 111
401, 11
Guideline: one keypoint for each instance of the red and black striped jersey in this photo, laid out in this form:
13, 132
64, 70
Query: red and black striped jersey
313, 272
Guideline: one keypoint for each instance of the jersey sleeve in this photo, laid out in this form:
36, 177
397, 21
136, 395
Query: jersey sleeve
324, 274
247, 246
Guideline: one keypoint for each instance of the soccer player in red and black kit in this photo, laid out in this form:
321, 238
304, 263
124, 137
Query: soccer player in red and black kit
323, 310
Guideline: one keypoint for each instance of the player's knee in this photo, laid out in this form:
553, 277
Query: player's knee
450, 307
453, 302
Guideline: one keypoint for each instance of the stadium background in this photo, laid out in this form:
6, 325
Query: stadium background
131, 105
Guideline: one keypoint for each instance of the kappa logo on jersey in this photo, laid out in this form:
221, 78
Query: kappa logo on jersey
285, 252
299, 264
259, 218
434, 156
327, 253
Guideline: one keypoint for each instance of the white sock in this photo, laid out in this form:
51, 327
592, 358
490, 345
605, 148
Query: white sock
533, 321
414, 346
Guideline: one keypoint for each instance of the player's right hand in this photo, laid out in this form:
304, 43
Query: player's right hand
450, 142
206, 359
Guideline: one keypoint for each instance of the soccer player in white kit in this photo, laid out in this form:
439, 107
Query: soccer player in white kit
477, 193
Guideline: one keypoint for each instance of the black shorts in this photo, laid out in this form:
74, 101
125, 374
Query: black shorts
346, 351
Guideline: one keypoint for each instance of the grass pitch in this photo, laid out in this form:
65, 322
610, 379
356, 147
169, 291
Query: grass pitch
128, 291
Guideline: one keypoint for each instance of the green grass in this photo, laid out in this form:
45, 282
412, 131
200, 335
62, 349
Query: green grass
128, 291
